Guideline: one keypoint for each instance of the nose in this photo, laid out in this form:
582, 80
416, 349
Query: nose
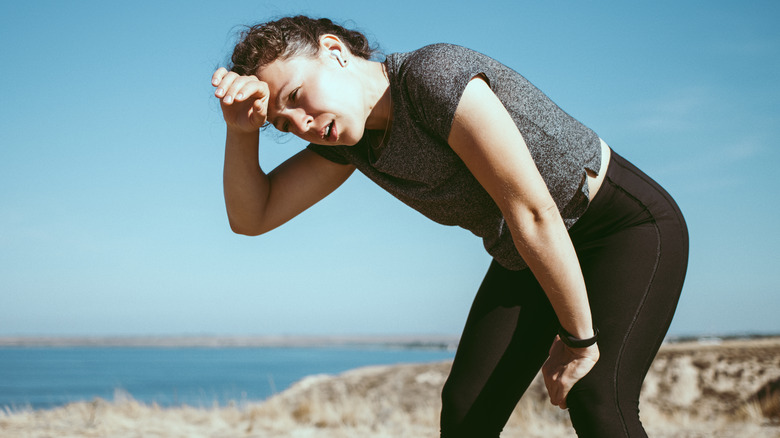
300, 120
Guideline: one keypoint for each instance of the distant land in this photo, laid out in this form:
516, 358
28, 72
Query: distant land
439, 342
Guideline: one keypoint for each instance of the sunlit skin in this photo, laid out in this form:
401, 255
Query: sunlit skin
318, 98
332, 101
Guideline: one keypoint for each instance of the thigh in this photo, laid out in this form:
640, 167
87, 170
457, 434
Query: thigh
633, 253
504, 344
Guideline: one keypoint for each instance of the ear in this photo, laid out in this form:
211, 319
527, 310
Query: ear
330, 42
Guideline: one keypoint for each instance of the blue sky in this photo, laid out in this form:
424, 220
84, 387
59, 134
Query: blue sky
111, 213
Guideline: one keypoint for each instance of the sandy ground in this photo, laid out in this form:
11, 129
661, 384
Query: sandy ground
729, 389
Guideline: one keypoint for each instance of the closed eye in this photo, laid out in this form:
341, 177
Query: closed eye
294, 94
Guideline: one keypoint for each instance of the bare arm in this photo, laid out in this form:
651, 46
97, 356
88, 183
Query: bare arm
484, 135
257, 202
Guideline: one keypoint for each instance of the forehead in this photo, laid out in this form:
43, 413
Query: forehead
281, 71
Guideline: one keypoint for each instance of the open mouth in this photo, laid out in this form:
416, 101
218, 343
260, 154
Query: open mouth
329, 130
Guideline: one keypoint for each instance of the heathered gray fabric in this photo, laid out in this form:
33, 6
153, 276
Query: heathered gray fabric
417, 166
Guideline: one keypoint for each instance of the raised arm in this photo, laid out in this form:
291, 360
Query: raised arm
484, 135
257, 202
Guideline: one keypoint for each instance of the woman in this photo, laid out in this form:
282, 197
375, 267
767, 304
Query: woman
580, 238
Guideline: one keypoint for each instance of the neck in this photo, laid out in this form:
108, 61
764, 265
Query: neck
377, 95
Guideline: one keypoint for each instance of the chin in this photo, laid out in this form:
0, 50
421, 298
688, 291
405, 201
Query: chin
352, 140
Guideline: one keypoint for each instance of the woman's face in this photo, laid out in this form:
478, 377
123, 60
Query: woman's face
317, 99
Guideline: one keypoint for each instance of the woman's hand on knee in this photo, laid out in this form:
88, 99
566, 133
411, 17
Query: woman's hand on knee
565, 367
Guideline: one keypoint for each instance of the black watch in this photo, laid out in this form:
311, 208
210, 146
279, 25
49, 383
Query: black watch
573, 342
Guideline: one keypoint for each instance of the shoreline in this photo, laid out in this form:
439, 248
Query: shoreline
719, 388
438, 342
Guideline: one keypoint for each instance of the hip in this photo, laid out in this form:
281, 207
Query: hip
627, 197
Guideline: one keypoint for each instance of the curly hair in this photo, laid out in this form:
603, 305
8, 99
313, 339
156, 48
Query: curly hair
263, 43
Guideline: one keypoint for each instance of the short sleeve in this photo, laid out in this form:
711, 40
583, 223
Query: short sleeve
435, 77
330, 153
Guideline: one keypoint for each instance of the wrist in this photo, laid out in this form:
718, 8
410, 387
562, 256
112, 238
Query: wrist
575, 342
242, 140
240, 132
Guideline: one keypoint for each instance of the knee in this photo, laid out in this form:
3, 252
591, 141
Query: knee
591, 413
454, 408
459, 417
597, 412
467, 413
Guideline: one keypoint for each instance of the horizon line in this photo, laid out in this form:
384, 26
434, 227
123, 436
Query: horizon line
422, 341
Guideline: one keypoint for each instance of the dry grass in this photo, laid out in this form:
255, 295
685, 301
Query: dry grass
693, 390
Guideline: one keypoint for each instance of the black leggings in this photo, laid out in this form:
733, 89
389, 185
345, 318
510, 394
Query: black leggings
632, 245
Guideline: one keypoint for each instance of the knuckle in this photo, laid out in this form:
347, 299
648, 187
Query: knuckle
229, 78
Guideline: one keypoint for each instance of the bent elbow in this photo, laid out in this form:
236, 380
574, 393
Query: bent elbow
246, 232
246, 229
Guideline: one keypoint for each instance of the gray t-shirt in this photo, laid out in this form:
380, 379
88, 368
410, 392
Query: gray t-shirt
417, 165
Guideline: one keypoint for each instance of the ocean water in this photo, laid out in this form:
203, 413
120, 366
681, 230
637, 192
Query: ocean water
45, 377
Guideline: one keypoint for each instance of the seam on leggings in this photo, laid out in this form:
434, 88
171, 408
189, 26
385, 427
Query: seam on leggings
672, 206
641, 303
